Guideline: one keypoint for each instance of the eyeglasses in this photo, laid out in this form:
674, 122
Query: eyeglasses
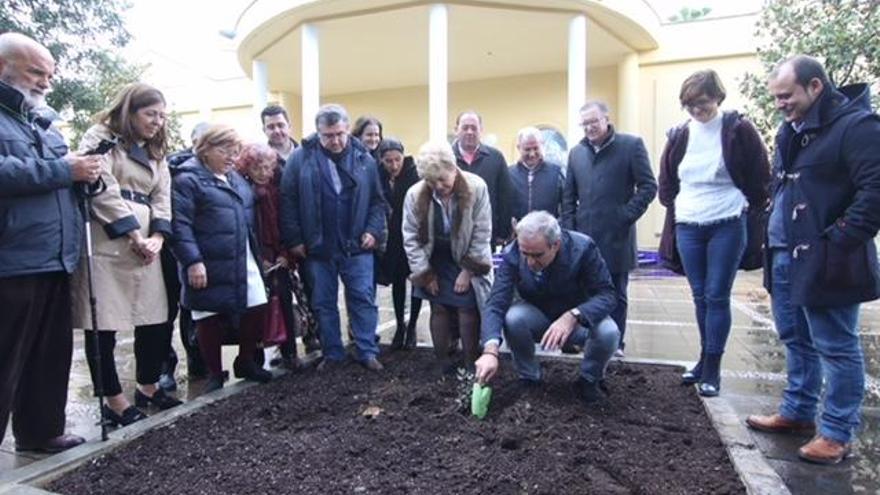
592, 122
699, 103
332, 136
228, 151
534, 256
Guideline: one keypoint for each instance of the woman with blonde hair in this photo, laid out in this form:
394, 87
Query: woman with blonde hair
132, 217
447, 229
217, 251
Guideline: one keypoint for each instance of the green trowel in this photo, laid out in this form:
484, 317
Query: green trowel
480, 398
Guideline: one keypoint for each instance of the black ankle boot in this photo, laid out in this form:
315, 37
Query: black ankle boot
411, 336
693, 375
399, 336
250, 371
710, 380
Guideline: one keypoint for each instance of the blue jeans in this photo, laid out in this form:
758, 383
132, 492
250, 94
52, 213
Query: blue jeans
525, 324
360, 299
621, 282
819, 341
710, 255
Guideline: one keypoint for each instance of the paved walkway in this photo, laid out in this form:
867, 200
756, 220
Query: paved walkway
661, 327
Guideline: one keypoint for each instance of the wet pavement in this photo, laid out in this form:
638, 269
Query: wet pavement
660, 327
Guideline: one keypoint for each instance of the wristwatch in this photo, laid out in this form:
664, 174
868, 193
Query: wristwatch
576, 313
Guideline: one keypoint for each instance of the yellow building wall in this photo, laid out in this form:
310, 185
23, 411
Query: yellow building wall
506, 105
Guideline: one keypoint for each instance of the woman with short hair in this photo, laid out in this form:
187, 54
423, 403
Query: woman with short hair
216, 248
132, 218
713, 170
447, 230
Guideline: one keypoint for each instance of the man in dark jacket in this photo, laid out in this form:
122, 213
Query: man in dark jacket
821, 261
537, 185
476, 157
333, 217
608, 187
567, 296
40, 236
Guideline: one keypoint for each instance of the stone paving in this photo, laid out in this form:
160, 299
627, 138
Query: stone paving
661, 327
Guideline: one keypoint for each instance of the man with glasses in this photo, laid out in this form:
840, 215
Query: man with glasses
333, 217
566, 296
608, 187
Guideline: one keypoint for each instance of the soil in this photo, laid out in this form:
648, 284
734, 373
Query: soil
402, 431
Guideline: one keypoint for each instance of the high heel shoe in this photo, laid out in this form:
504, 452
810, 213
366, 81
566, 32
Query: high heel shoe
130, 415
159, 399
250, 371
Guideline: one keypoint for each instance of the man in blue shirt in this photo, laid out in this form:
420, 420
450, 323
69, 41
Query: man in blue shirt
821, 261
567, 296
333, 218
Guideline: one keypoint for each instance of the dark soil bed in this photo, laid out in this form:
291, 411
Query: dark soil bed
352, 431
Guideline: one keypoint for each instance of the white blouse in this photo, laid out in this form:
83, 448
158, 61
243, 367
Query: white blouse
707, 194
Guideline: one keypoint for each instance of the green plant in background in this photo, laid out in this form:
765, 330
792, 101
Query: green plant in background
841, 33
85, 37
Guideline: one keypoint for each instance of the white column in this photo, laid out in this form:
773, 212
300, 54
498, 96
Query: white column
311, 89
628, 94
438, 65
260, 77
577, 75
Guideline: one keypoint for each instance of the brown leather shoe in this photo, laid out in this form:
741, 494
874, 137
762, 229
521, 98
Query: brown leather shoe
372, 364
821, 450
52, 445
776, 423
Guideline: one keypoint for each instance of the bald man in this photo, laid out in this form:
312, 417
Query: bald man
40, 236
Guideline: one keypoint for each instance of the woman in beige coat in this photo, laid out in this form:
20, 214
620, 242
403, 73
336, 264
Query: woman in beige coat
447, 227
130, 221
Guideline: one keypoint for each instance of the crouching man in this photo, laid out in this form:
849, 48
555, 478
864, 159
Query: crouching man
566, 297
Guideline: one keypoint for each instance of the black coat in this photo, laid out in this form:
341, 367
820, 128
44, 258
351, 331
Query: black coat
393, 264
832, 167
491, 166
544, 192
745, 159
212, 221
606, 192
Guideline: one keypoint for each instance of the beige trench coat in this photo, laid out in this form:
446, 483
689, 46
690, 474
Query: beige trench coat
129, 293
470, 238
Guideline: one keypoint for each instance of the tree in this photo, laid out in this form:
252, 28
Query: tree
841, 33
84, 36
686, 14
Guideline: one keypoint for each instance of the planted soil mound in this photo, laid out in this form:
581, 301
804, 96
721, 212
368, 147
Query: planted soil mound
348, 430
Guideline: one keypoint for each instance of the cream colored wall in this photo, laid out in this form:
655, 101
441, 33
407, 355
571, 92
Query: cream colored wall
660, 110
506, 105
